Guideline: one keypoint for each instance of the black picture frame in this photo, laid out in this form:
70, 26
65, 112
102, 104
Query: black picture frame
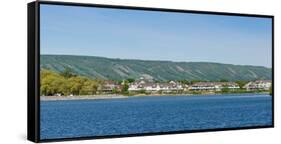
33, 106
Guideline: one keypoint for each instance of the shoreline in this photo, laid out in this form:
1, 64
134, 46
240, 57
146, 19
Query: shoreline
117, 96
86, 97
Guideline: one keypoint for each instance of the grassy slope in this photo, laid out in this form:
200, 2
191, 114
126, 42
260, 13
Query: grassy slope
118, 69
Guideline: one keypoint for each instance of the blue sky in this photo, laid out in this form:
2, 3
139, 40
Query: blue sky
148, 35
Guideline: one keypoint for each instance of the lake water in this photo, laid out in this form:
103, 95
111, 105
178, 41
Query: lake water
82, 118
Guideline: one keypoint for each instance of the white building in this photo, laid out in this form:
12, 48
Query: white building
258, 85
216, 86
152, 86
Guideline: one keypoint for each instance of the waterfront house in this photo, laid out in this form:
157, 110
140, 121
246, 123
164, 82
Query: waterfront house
109, 86
139, 85
150, 86
213, 86
258, 85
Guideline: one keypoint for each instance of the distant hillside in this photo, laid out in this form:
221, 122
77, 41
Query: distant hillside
118, 69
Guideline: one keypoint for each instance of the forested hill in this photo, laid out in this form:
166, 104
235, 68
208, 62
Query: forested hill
118, 69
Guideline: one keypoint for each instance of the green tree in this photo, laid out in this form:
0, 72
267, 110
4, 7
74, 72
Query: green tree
89, 87
241, 83
185, 82
115, 91
142, 91
67, 73
225, 90
223, 80
130, 80
75, 85
66, 84
125, 87
195, 81
50, 83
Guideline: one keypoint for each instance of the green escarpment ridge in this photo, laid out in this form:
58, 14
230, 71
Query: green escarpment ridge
119, 69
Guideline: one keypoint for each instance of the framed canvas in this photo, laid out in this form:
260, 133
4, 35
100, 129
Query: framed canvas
106, 71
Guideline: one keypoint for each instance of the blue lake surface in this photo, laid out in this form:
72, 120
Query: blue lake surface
82, 118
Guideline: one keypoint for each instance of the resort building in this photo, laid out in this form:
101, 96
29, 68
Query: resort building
109, 86
151, 86
213, 86
258, 85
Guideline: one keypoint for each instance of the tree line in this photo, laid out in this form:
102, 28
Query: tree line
67, 83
